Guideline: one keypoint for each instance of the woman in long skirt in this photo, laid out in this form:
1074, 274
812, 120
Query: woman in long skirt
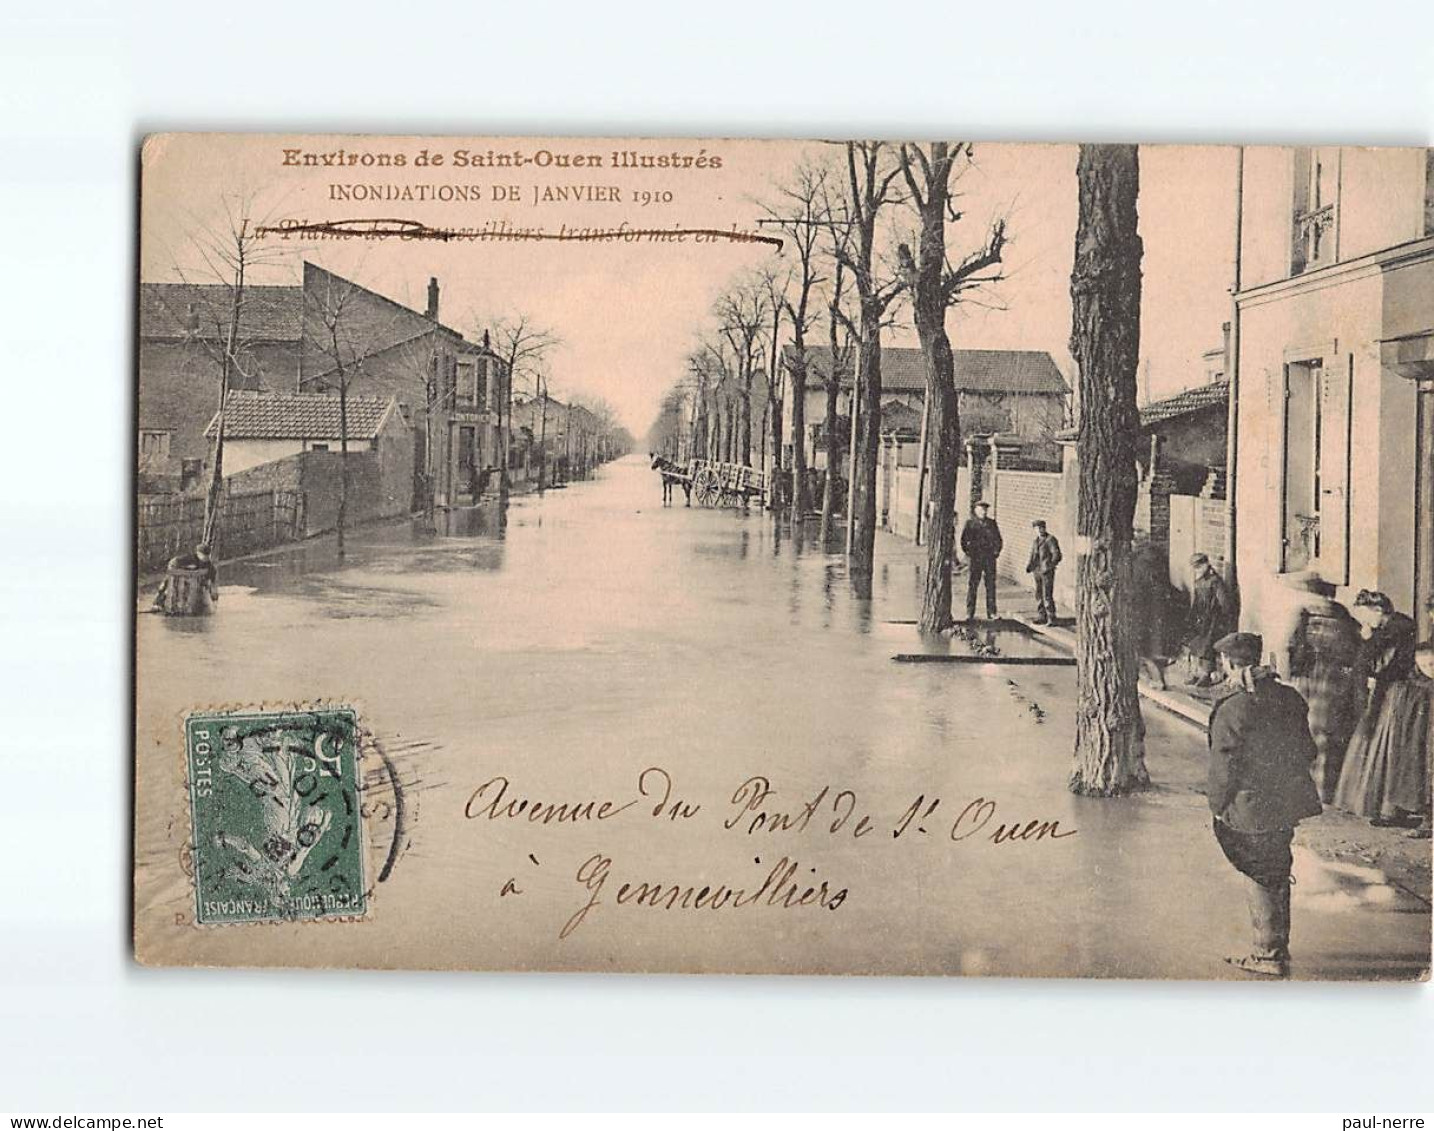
1386, 761
1323, 651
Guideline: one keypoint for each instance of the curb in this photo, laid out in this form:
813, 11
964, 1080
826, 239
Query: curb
1174, 704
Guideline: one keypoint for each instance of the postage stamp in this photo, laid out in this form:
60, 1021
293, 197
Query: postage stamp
276, 820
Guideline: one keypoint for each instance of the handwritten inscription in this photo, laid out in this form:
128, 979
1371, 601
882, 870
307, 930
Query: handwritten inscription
752, 810
784, 889
755, 811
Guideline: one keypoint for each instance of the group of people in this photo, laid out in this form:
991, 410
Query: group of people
1369, 690
1352, 728
981, 542
1367, 686
1342, 714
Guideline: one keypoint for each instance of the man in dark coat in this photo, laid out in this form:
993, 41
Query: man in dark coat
1212, 615
1261, 786
1045, 556
981, 543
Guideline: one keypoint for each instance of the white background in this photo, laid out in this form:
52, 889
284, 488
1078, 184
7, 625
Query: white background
83, 1029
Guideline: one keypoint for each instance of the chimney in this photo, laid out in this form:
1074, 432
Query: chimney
432, 310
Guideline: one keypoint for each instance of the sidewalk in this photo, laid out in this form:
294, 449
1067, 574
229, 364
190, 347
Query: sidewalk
1335, 835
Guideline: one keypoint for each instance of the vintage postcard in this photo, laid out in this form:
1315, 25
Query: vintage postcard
733, 556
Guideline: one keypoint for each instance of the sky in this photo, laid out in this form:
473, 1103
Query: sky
629, 313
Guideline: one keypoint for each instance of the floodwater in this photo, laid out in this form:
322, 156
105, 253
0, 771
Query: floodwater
597, 634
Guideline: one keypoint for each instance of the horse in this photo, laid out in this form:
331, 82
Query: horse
671, 473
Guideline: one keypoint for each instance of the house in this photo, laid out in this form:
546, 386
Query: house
1333, 374
263, 427
183, 331
294, 441
1020, 392
311, 338
452, 389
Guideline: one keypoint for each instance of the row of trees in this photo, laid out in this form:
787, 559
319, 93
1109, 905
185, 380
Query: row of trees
848, 225
874, 229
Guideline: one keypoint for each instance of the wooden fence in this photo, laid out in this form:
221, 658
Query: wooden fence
167, 525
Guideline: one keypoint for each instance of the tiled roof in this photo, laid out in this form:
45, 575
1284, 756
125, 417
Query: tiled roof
1197, 399
299, 416
897, 417
977, 371
1181, 404
176, 310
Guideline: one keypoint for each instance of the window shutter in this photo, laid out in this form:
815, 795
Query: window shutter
1272, 458
1336, 390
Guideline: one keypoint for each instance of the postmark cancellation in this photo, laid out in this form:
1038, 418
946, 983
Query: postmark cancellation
276, 815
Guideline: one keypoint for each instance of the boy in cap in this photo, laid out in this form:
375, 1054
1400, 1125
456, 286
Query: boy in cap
1045, 556
1260, 788
1211, 616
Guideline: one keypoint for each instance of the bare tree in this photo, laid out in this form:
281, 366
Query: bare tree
214, 316
742, 316
841, 335
936, 284
777, 282
522, 344
335, 330
870, 172
798, 213
1105, 339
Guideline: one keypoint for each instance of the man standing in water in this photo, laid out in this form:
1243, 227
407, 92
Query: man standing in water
1260, 788
981, 543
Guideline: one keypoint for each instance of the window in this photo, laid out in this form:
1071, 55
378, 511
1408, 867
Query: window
1315, 218
153, 451
318, 447
1316, 446
467, 385
481, 371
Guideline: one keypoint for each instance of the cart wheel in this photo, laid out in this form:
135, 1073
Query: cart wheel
706, 487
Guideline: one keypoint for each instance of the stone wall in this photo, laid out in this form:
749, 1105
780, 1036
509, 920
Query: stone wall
379, 483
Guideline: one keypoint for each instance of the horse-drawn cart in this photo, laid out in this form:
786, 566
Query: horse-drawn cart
727, 484
715, 484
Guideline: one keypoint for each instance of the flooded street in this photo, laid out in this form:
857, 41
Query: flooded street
599, 635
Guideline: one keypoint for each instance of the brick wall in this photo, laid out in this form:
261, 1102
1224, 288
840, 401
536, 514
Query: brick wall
1018, 498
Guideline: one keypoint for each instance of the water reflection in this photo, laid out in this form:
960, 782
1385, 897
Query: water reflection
596, 633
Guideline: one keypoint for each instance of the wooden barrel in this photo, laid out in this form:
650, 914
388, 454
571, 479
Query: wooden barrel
185, 593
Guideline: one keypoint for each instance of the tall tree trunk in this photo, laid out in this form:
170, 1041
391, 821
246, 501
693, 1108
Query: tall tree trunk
834, 460
745, 423
868, 440
942, 425
798, 373
944, 446
774, 422
698, 447
542, 443
214, 498
1105, 340
343, 462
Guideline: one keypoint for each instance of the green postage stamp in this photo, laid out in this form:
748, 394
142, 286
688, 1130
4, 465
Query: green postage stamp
276, 818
